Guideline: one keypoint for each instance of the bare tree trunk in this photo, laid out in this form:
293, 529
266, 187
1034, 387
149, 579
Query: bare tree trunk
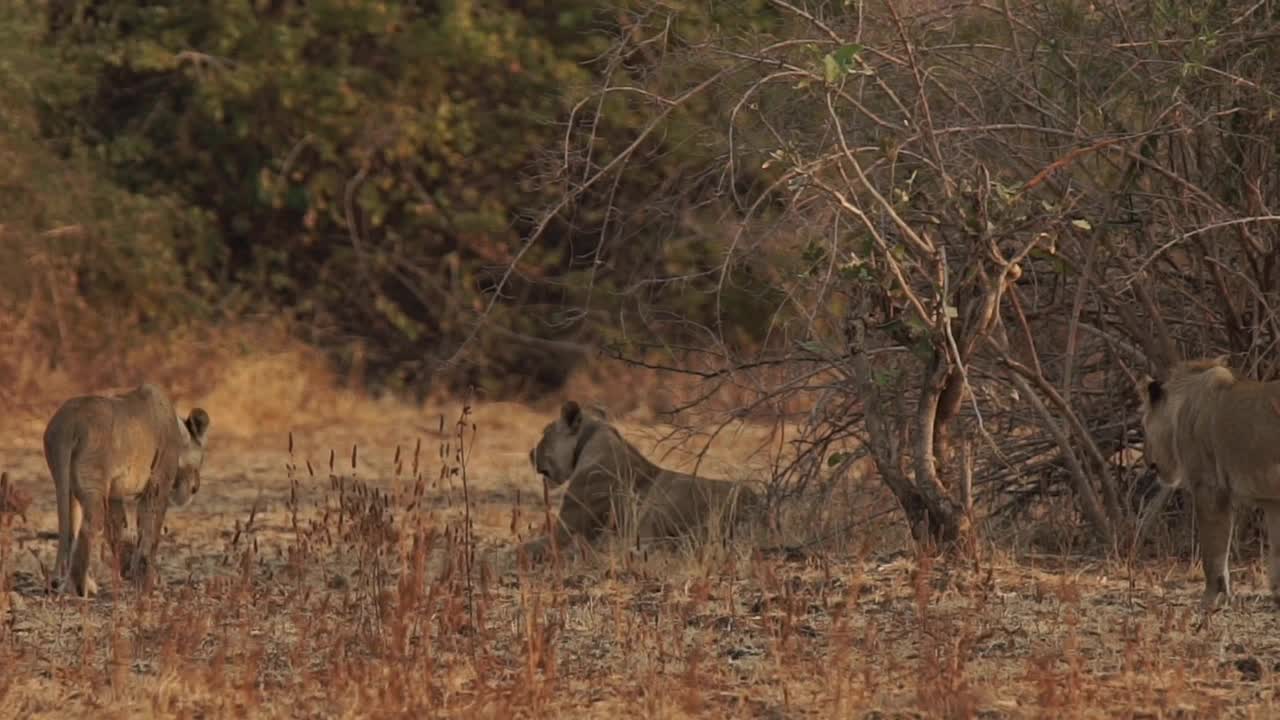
944, 516
930, 515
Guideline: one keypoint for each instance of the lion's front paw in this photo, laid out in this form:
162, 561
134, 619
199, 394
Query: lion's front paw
1213, 599
138, 568
66, 585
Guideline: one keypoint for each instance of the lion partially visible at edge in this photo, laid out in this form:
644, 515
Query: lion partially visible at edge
1218, 435
612, 486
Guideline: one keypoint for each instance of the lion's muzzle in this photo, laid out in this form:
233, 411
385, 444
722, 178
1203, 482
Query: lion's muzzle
533, 463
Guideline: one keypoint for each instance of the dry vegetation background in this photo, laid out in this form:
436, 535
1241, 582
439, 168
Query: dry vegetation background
297, 585
899, 263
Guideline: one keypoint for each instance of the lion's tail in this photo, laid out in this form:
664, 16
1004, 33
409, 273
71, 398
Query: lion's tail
59, 455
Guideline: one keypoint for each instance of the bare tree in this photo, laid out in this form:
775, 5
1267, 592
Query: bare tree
978, 224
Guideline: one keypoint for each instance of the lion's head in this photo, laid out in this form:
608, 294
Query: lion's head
556, 455
1158, 420
194, 431
1168, 407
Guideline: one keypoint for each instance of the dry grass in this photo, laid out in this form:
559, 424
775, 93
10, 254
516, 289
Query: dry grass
348, 557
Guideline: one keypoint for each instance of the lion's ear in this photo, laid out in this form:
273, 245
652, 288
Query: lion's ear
198, 425
1155, 392
1222, 360
571, 414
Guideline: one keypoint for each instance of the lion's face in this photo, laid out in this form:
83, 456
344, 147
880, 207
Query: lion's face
195, 434
1158, 431
553, 458
1161, 402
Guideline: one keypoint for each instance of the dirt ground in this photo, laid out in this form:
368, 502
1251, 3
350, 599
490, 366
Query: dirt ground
354, 603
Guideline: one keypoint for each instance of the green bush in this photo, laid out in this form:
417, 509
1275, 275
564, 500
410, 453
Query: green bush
368, 167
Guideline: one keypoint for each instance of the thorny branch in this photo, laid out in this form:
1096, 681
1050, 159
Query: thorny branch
904, 196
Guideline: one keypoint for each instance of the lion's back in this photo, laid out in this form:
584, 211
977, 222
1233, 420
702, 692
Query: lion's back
122, 433
79, 420
1225, 428
677, 502
1245, 428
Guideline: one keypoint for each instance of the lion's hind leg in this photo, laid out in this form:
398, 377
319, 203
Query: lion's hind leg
93, 507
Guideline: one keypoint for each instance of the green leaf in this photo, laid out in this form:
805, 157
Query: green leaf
846, 54
813, 253
148, 55
830, 68
1006, 193
812, 346
840, 61
885, 378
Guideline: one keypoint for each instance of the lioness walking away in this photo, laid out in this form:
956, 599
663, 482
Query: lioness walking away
1217, 435
612, 485
104, 450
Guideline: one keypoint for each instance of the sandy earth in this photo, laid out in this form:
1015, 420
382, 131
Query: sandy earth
235, 626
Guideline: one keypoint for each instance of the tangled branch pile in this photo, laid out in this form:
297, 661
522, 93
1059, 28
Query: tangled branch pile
980, 223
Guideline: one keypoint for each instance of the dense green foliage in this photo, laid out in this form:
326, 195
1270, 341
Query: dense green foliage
370, 168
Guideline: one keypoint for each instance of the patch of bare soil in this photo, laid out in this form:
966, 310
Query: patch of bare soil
369, 571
